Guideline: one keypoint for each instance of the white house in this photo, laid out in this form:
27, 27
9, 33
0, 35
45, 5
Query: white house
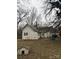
29, 32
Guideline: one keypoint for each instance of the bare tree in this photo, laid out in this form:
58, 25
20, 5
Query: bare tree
21, 14
32, 16
49, 6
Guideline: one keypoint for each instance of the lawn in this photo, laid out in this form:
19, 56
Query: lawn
41, 49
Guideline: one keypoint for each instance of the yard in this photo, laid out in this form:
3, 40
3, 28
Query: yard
41, 49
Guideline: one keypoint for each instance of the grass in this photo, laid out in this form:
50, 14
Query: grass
41, 49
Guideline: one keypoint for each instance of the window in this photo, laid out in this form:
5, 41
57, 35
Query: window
25, 34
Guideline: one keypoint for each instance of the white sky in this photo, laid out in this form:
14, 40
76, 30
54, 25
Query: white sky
38, 4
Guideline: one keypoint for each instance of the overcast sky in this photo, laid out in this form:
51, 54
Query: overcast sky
38, 4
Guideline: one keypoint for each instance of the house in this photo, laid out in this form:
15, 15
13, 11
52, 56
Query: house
29, 32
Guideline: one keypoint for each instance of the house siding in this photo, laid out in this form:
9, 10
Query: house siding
31, 34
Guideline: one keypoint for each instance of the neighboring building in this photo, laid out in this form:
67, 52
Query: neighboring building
44, 32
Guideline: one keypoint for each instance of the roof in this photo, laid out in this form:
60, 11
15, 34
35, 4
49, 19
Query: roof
30, 27
41, 29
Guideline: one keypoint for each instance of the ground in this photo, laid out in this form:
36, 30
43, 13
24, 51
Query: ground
41, 49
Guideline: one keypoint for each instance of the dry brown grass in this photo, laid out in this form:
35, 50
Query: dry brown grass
41, 49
